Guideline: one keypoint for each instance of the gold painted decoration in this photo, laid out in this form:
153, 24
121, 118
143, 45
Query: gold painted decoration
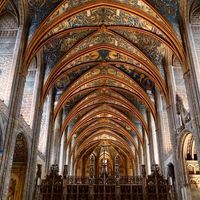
107, 16
69, 5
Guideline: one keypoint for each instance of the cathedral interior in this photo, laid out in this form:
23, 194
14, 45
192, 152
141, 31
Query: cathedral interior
99, 99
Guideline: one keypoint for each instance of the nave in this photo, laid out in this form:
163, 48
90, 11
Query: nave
99, 99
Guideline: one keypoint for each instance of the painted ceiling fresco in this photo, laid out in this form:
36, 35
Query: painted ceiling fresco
55, 49
106, 16
153, 48
39, 10
73, 101
13, 8
105, 61
168, 9
136, 4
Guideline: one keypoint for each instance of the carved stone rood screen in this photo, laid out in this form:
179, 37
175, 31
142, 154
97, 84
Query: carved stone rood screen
56, 187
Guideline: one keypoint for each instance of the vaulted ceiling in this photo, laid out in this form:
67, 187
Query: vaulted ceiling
105, 60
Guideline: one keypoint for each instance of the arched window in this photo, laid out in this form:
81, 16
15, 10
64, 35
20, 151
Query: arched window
19, 168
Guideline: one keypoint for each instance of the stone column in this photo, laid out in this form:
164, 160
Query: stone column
151, 148
139, 160
36, 133
195, 114
147, 151
178, 170
61, 156
191, 73
147, 157
65, 149
50, 134
171, 111
72, 165
190, 49
58, 141
37, 82
144, 155
159, 130
153, 132
72, 156
155, 142
67, 155
14, 114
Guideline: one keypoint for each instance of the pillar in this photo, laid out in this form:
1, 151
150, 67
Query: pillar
191, 73
61, 156
171, 111
36, 133
14, 113
49, 131
54, 141
159, 130
151, 145
195, 115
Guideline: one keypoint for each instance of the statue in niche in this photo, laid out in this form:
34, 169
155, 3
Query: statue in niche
183, 115
92, 167
39, 170
144, 171
12, 189
171, 174
117, 166
65, 171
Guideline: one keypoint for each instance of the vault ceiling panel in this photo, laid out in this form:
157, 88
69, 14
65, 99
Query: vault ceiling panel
13, 7
142, 79
105, 38
126, 127
137, 103
39, 10
104, 16
56, 48
98, 98
103, 123
82, 114
127, 113
153, 48
169, 9
103, 55
139, 4
104, 109
104, 71
68, 79
73, 101
102, 104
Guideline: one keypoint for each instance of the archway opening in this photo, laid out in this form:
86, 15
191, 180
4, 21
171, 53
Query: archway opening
191, 165
19, 167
